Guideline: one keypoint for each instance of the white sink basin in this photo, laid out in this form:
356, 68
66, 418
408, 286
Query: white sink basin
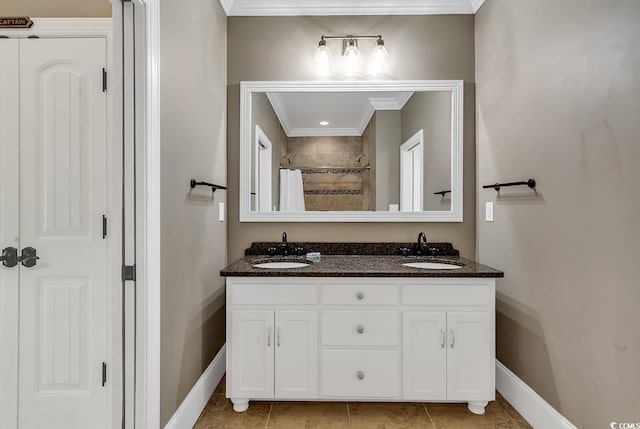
432, 265
281, 265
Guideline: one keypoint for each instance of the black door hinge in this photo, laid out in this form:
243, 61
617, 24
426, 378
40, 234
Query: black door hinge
104, 227
104, 80
128, 272
104, 373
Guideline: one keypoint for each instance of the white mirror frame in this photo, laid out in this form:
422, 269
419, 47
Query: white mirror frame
453, 215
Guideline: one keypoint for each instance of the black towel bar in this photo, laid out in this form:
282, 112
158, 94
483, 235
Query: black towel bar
530, 183
195, 183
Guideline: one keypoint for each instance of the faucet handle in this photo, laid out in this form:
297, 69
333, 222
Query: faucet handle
433, 251
272, 250
404, 251
298, 250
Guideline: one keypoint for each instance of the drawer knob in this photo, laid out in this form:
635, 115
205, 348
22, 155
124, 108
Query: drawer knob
360, 375
360, 329
360, 295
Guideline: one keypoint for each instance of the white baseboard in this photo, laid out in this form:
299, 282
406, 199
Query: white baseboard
527, 402
187, 414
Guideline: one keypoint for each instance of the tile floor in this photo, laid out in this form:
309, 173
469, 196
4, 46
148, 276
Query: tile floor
219, 414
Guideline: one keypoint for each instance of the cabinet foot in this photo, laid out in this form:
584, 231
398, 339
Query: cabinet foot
477, 407
241, 405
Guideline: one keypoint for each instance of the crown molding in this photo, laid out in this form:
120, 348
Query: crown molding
226, 6
280, 111
349, 7
393, 103
475, 5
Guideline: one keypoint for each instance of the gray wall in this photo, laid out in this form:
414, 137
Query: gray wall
387, 158
263, 115
431, 112
559, 100
56, 8
193, 139
282, 48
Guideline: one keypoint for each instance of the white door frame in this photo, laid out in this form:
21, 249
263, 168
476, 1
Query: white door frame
264, 157
147, 46
100, 28
411, 155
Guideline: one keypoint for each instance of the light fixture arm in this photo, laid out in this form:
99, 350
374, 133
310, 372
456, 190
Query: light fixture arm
350, 36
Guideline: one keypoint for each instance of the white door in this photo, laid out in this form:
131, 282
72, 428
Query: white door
296, 360
9, 229
411, 173
252, 354
63, 298
424, 354
469, 366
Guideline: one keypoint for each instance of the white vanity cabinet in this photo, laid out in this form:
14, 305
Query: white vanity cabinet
361, 339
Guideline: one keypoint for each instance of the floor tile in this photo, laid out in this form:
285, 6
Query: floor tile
457, 416
520, 421
308, 415
399, 415
219, 414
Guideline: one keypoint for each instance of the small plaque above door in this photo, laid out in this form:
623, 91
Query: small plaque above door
15, 22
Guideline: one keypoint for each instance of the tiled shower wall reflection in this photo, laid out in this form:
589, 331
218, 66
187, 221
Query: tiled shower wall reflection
335, 170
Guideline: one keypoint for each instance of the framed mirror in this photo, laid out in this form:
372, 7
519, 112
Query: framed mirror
383, 151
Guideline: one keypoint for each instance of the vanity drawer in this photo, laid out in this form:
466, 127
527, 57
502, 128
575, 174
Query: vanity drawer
479, 294
360, 328
363, 373
254, 293
353, 294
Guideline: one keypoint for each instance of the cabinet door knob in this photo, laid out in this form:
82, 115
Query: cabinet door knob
360, 329
360, 375
360, 295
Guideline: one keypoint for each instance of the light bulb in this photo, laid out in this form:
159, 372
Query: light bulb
379, 59
351, 58
322, 59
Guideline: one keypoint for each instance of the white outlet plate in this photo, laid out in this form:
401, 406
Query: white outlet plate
488, 211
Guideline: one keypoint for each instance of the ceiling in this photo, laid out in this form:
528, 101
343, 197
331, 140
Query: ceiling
347, 113
348, 7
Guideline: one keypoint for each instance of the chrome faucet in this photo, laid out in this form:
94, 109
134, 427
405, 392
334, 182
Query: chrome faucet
284, 246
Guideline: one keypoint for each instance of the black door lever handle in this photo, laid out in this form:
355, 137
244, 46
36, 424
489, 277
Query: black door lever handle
9, 257
28, 257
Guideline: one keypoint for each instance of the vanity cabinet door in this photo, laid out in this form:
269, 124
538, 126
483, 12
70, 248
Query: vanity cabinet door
252, 354
424, 355
469, 366
296, 354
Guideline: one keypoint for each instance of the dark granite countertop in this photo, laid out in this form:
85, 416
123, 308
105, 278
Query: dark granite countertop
359, 266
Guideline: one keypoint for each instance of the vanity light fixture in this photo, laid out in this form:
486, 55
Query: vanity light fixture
351, 58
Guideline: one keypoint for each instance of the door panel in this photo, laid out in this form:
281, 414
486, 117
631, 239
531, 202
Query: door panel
9, 229
252, 354
63, 322
424, 355
296, 360
469, 351
61, 151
